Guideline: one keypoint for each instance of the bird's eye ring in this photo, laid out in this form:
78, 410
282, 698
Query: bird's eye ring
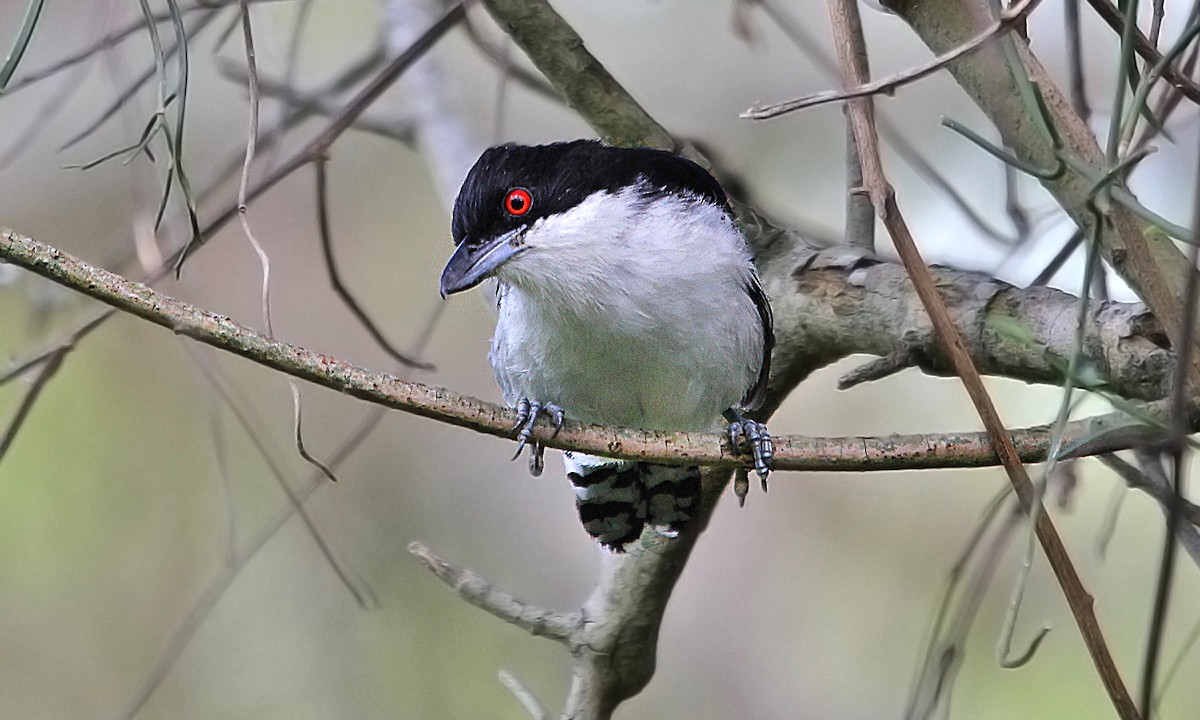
518, 201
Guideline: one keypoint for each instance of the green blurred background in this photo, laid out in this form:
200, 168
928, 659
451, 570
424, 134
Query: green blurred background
812, 601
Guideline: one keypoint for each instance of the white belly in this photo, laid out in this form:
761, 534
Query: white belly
669, 363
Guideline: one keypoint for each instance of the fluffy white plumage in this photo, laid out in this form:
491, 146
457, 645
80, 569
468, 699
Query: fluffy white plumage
630, 309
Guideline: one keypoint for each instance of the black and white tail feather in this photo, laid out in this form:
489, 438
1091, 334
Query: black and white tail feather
618, 499
627, 296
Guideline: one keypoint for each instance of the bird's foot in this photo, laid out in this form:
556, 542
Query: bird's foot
762, 449
527, 415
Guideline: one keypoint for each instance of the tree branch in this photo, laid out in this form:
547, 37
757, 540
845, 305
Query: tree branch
895, 452
1148, 261
559, 53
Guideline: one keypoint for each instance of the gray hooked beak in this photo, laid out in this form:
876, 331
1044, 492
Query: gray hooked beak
469, 266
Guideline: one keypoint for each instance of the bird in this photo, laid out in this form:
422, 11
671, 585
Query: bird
627, 296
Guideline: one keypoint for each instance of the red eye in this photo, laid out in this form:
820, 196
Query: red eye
518, 202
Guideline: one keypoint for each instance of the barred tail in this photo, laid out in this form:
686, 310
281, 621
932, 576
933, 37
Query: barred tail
618, 498
672, 496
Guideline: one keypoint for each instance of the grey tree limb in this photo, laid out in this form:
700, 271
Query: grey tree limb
1147, 260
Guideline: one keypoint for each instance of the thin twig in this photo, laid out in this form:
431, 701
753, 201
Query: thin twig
19, 143
536, 710
224, 485
335, 277
297, 104
291, 66
885, 86
39, 382
498, 56
809, 45
115, 38
476, 590
67, 343
263, 259
972, 571
1077, 596
33, 11
1178, 450
860, 215
122, 98
1152, 480
298, 435
1078, 82
1115, 18
244, 183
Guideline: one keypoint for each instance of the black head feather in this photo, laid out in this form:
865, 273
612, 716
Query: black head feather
561, 175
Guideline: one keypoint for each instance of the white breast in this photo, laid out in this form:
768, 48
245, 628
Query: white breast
630, 312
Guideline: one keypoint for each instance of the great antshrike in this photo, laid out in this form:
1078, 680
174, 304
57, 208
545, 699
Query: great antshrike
627, 296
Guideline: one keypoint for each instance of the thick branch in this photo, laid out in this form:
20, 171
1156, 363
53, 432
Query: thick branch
842, 302
1148, 261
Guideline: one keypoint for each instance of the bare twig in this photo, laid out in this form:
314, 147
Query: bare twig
443, 132
498, 56
535, 709
115, 38
1115, 18
335, 277
298, 434
1044, 132
1079, 600
885, 86
224, 484
1078, 83
33, 11
590, 90
67, 343
1184, 388
860, 215
41, 379
346, 115
298, 104
475, 589
243, 218
807, 44
244, 183
879, 368
1152, 480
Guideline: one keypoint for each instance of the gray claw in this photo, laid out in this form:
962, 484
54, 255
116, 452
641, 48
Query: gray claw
537, 460
559, 417
762, 449
527, 415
